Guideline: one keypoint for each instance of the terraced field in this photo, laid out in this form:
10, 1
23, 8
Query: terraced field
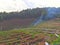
26, 36
52, 27
38, 35
21, 38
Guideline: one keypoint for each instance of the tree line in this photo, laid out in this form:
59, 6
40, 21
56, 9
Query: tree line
29, 13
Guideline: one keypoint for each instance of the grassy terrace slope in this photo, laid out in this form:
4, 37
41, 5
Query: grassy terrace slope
52, 24
19, 35
12, 36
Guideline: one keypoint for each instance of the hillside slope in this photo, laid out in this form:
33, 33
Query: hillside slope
51, 24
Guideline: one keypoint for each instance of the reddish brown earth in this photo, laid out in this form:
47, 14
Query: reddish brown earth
26, 39
16, 23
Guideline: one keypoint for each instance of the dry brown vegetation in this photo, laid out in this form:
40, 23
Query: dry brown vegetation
16, 23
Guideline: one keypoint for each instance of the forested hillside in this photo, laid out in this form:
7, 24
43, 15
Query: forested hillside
28, 17
21, 19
